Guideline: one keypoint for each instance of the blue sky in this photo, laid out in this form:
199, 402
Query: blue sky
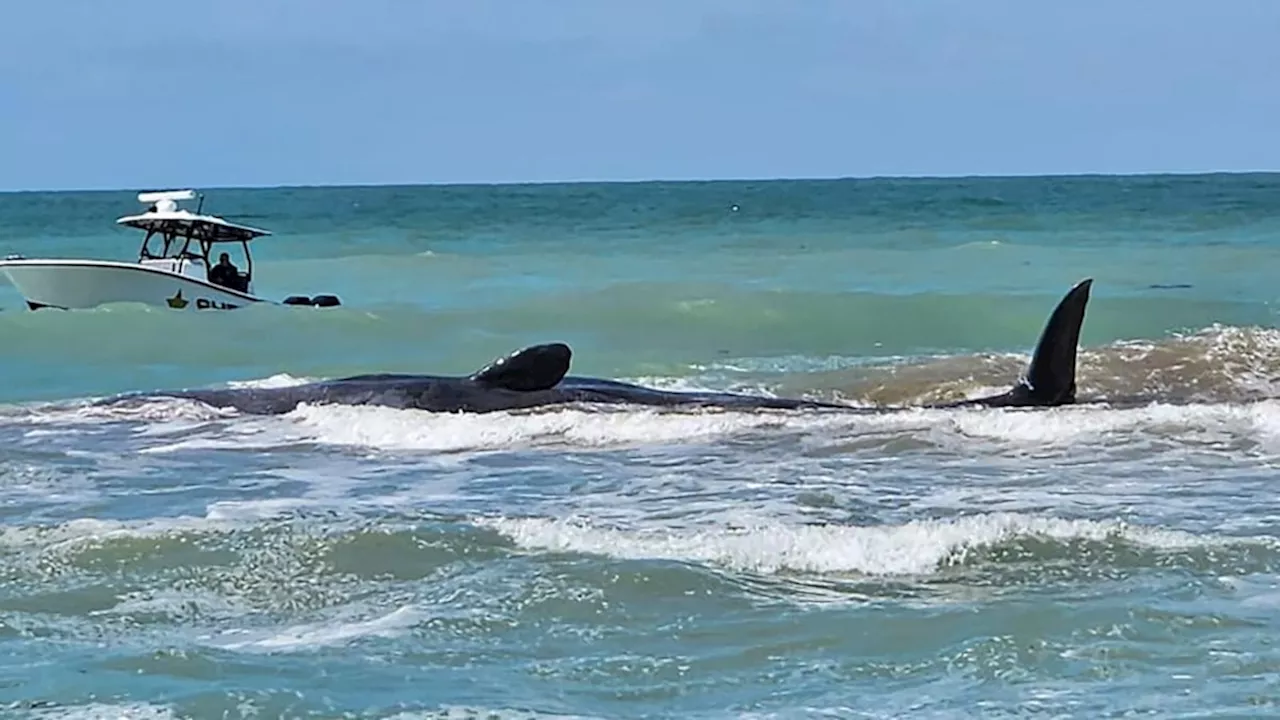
143, 93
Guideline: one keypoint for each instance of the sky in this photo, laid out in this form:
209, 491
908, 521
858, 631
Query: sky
99, 94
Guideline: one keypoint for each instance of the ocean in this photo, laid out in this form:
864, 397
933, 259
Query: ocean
173, 560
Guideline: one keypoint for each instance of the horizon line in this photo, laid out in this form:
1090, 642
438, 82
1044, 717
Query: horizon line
650, 181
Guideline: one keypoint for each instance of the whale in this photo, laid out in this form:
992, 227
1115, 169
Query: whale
537, 376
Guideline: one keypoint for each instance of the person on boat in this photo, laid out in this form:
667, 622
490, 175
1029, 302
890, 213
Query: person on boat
225, 273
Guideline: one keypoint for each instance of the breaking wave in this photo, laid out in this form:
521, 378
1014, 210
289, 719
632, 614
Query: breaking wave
225, 558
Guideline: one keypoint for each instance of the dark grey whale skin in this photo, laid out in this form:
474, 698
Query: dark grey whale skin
536, 376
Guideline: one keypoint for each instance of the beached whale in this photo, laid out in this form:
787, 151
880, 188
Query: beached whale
537, 376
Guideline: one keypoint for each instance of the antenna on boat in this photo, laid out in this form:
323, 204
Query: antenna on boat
200, 205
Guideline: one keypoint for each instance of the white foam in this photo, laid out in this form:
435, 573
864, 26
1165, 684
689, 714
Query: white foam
311, 636
395, 429
253, 433
1073, 424
274, 381
178, 605
82, 531
27, 483
462, 712
1255, 591
603, 427
388, 428
147, 409
83, 413
915, 548
672, 384
257, 510
105, 711
328, 488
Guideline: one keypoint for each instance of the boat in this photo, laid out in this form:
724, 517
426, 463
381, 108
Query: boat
173, 270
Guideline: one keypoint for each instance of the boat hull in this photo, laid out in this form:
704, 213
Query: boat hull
83, 284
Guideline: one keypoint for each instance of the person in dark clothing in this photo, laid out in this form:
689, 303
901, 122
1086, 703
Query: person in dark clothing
225, 273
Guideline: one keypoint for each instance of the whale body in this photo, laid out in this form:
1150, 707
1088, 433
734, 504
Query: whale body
537, 376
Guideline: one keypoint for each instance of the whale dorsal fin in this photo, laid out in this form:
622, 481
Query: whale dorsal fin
538, 367
1051, 376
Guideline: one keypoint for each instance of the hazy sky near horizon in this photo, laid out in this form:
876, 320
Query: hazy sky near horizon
143, 93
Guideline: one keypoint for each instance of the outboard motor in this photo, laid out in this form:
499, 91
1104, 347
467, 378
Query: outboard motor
317, 301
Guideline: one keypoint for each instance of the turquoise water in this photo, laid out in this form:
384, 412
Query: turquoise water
176, 561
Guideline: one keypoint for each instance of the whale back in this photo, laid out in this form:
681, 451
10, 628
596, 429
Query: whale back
530, 369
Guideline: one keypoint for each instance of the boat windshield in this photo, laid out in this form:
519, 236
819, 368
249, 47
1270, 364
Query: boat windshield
191, 243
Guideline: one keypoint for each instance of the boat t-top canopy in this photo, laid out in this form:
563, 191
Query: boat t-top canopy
164, 216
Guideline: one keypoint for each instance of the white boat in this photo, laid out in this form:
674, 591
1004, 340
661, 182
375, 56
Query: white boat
175, 272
